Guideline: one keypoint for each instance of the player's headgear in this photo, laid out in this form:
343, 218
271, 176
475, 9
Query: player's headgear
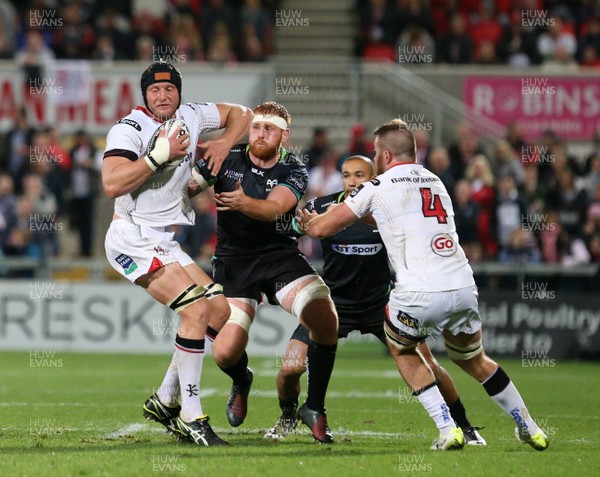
160, 72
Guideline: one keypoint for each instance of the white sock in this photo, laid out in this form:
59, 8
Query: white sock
190, 356
168, 392
434, 404
511, 401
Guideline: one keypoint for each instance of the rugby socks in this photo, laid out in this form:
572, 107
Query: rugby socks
459, 414
433, 402
501, 389
290, 406
211, 334
320, 359
237, 372
168, 392
190, 356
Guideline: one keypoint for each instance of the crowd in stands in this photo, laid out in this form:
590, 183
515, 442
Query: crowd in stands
558, 35
221, 31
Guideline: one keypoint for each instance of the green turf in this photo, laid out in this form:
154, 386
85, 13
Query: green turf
81, 416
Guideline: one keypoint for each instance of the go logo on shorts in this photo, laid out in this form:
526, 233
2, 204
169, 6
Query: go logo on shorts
443, 245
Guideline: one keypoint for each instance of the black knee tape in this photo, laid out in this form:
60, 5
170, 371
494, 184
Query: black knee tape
497, 382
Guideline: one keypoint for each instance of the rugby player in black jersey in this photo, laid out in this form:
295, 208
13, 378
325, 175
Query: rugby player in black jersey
257, 190
355, 268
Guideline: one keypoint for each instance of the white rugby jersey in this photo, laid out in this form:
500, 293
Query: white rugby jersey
162, 200
415, 218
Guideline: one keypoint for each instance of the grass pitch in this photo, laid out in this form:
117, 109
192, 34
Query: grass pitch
81, 415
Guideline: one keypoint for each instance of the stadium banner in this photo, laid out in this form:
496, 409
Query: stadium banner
569, 106
109, 317
74, 95
113, 317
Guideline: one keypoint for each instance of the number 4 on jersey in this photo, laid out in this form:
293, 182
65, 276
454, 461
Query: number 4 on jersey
432, 205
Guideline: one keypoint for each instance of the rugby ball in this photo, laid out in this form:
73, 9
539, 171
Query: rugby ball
170, 126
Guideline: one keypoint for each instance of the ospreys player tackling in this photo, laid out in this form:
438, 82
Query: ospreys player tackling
355, 268
257, 190
138, 246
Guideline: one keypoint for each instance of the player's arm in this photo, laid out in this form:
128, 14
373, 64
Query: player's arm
123, 172
323, 225
279, 201
236, 120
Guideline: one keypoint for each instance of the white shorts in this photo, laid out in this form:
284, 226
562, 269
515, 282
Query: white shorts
423, 314
135, 250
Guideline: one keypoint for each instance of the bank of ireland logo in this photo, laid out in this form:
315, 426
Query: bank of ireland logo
443, 245
129, 266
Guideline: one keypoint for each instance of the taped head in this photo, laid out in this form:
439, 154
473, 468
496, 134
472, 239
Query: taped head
160, 72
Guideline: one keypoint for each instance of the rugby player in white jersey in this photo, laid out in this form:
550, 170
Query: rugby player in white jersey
434, 293
148, 199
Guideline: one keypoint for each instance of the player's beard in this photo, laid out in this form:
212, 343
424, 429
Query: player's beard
262, 150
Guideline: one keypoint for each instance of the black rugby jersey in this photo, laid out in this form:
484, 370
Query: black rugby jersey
355, 262
238, 234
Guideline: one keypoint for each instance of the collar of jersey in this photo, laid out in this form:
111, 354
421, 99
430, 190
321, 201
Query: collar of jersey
404, 164
282, 153
340, 196
147, 113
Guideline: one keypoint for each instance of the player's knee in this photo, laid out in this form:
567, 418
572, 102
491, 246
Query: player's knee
465, 353
399, 345
291, 371
308, 294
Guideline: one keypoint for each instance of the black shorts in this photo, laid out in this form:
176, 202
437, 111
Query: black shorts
367, 321
249, 277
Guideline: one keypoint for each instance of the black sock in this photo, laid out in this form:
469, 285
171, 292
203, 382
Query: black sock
319, 366
289, 406
459, 414
237, 372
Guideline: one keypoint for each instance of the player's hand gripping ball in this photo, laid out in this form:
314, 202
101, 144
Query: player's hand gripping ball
170, 126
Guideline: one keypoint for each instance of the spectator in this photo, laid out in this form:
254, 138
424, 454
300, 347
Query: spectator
8, 202
185, 37
463, 150
423, 147
19, 241
439, 164
485, 53
558, 39
570, 202
252, 49
590, 40
218, 18
415, 45
376, 25
145, 46
252, 13
43, 218
17, 148
76, 38
506, 162
34, 58
466, 217
84, 184
201, 238
220, 50
593, 177
514, 135
521, 248
534, 193
360, 144
509, 211
325, 178
456, 47
592, 222
413, 13
318, 146
480, 176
